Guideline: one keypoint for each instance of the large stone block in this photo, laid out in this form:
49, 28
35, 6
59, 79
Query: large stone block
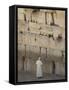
47, 67
38, 17
60, 68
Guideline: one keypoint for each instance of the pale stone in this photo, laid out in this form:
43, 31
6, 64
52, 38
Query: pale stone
33, 28
60, 68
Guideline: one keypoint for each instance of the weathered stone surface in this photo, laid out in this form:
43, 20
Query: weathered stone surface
60, 68
37, 29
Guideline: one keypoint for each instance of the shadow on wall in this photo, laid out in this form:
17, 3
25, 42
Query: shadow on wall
51, 64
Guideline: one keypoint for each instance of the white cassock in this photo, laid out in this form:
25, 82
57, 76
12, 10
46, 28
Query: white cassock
39, 68
28, 65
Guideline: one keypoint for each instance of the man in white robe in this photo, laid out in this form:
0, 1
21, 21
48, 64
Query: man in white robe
28, 65
39, 72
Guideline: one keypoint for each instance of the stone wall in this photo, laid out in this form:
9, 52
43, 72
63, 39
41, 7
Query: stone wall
37, 28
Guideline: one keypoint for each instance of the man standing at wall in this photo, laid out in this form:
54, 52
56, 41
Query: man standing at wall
39, 72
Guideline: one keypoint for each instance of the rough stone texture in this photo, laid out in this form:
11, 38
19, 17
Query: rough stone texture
35, 31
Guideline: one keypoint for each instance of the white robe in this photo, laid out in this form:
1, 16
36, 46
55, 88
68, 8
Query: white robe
28, 65
39, 68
